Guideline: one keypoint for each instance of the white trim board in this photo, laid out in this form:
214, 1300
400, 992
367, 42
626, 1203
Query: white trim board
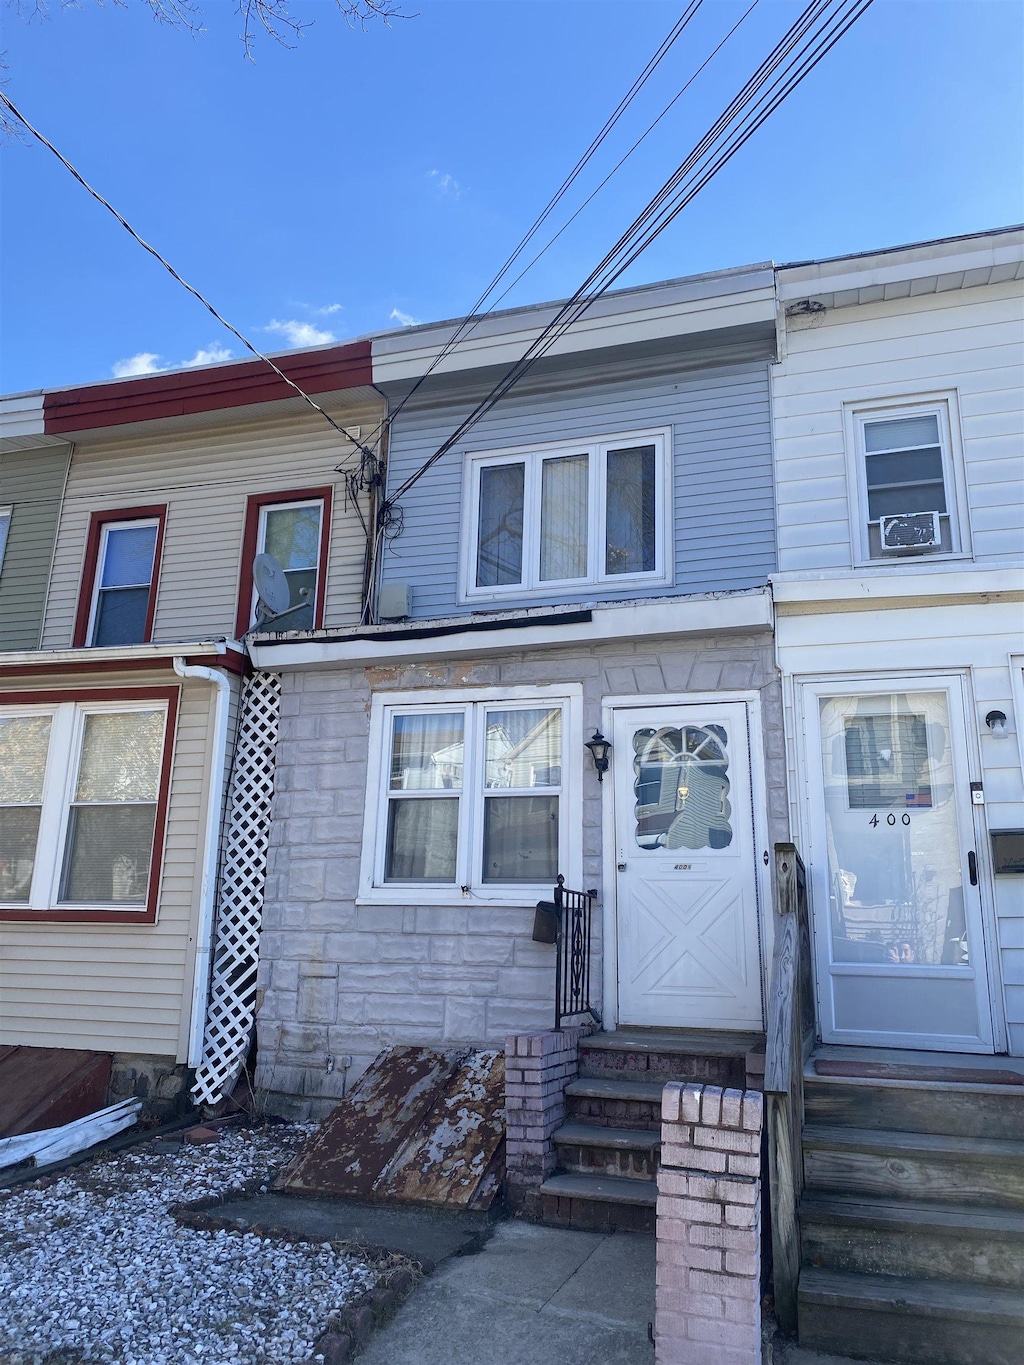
708, 615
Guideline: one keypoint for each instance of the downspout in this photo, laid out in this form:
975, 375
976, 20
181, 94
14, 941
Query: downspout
211, 847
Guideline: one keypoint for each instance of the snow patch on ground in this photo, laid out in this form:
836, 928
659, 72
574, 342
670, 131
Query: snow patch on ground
93, 1267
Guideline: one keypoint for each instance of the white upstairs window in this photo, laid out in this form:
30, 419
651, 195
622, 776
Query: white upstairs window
551, 517
909, 482
5, 527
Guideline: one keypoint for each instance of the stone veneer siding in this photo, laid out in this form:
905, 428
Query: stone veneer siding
340, 980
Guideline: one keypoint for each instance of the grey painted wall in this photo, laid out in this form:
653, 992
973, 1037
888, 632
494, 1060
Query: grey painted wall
33, 481
717, 403
340, 979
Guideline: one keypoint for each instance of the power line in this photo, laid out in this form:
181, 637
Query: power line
368, 467
477, 312
814, 33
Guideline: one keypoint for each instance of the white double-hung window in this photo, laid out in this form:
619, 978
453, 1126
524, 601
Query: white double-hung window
908, 483
473, 797
82, 785
546, 518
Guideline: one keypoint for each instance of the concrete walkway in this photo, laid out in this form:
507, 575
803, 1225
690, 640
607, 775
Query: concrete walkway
533, 1295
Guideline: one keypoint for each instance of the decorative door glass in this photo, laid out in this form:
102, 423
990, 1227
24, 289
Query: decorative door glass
895, 881
682, 787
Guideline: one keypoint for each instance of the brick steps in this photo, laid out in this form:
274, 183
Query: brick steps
594, 1149
600, 1203
608, 1148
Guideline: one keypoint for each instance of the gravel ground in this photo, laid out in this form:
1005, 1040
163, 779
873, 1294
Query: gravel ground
93, 1268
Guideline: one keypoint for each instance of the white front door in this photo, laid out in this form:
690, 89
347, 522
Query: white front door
686, 884
897, 902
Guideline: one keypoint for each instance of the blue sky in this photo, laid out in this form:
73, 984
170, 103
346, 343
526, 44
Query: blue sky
364, 179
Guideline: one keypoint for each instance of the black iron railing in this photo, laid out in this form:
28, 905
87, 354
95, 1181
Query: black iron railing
573, 922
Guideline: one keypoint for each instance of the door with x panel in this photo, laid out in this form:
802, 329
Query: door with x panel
686, 883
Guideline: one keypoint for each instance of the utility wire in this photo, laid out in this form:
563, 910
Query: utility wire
478, 312
369, 463
814, 33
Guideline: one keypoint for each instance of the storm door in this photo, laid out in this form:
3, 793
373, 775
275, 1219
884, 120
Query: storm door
897, 904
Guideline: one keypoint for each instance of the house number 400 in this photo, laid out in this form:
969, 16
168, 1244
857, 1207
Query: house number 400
890, 819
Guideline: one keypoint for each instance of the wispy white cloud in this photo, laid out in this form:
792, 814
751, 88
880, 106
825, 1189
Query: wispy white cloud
298, 333
211, 355
145, 362
403, 319
446, 183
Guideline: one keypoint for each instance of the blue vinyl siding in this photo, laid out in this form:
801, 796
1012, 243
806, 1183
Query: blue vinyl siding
724, 514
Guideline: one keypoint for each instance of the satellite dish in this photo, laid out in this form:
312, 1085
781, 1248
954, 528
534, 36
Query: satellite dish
271, 584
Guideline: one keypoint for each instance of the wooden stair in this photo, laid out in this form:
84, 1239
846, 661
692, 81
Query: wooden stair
608, 1149
912, 1216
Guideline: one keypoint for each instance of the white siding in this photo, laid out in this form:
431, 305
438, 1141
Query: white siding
968, 341
118, 987
205, 478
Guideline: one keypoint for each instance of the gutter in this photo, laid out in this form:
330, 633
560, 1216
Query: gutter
211, 849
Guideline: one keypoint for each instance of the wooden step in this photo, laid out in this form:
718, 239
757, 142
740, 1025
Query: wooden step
614, 1102
856, 1234
954, 1108
911, 1322
927, 1167
601, 1203
596, 1149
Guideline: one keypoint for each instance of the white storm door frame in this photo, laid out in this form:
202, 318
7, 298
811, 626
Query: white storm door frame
956, 683
759, 798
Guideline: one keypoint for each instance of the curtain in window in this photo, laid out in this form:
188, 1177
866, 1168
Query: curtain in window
630, 518
422, 840
563, 518
499, 557
110, 833
24, 741
427, 754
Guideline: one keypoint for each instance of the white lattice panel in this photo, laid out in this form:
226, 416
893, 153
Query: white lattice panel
232, 999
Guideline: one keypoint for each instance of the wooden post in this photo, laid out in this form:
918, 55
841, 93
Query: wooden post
783, 1081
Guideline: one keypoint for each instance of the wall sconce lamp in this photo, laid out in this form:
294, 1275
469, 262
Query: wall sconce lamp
599, 749
996, 722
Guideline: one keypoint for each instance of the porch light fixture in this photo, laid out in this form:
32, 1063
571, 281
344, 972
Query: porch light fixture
996, 722
599, 748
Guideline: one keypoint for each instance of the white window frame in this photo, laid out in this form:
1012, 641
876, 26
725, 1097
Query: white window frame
373, 889
596, 448
942, 405
67, 729
6, 516
101, 559
261, 540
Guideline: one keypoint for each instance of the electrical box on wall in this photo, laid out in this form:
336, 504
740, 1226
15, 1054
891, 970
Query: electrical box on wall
395, 602
1008, 851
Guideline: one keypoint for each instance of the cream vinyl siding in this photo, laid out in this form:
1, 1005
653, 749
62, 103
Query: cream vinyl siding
31, 482
967, 341
205, 477
118, 987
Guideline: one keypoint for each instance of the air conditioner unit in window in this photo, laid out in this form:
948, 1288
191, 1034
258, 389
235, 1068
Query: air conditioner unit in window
910, 531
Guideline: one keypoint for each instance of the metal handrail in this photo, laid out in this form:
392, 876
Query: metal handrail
574, 917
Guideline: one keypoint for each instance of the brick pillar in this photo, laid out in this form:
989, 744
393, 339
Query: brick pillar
709, 1227
538, 1067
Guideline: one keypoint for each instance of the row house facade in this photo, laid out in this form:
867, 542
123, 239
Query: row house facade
592, 559
130, 515
737, 566
898, 410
